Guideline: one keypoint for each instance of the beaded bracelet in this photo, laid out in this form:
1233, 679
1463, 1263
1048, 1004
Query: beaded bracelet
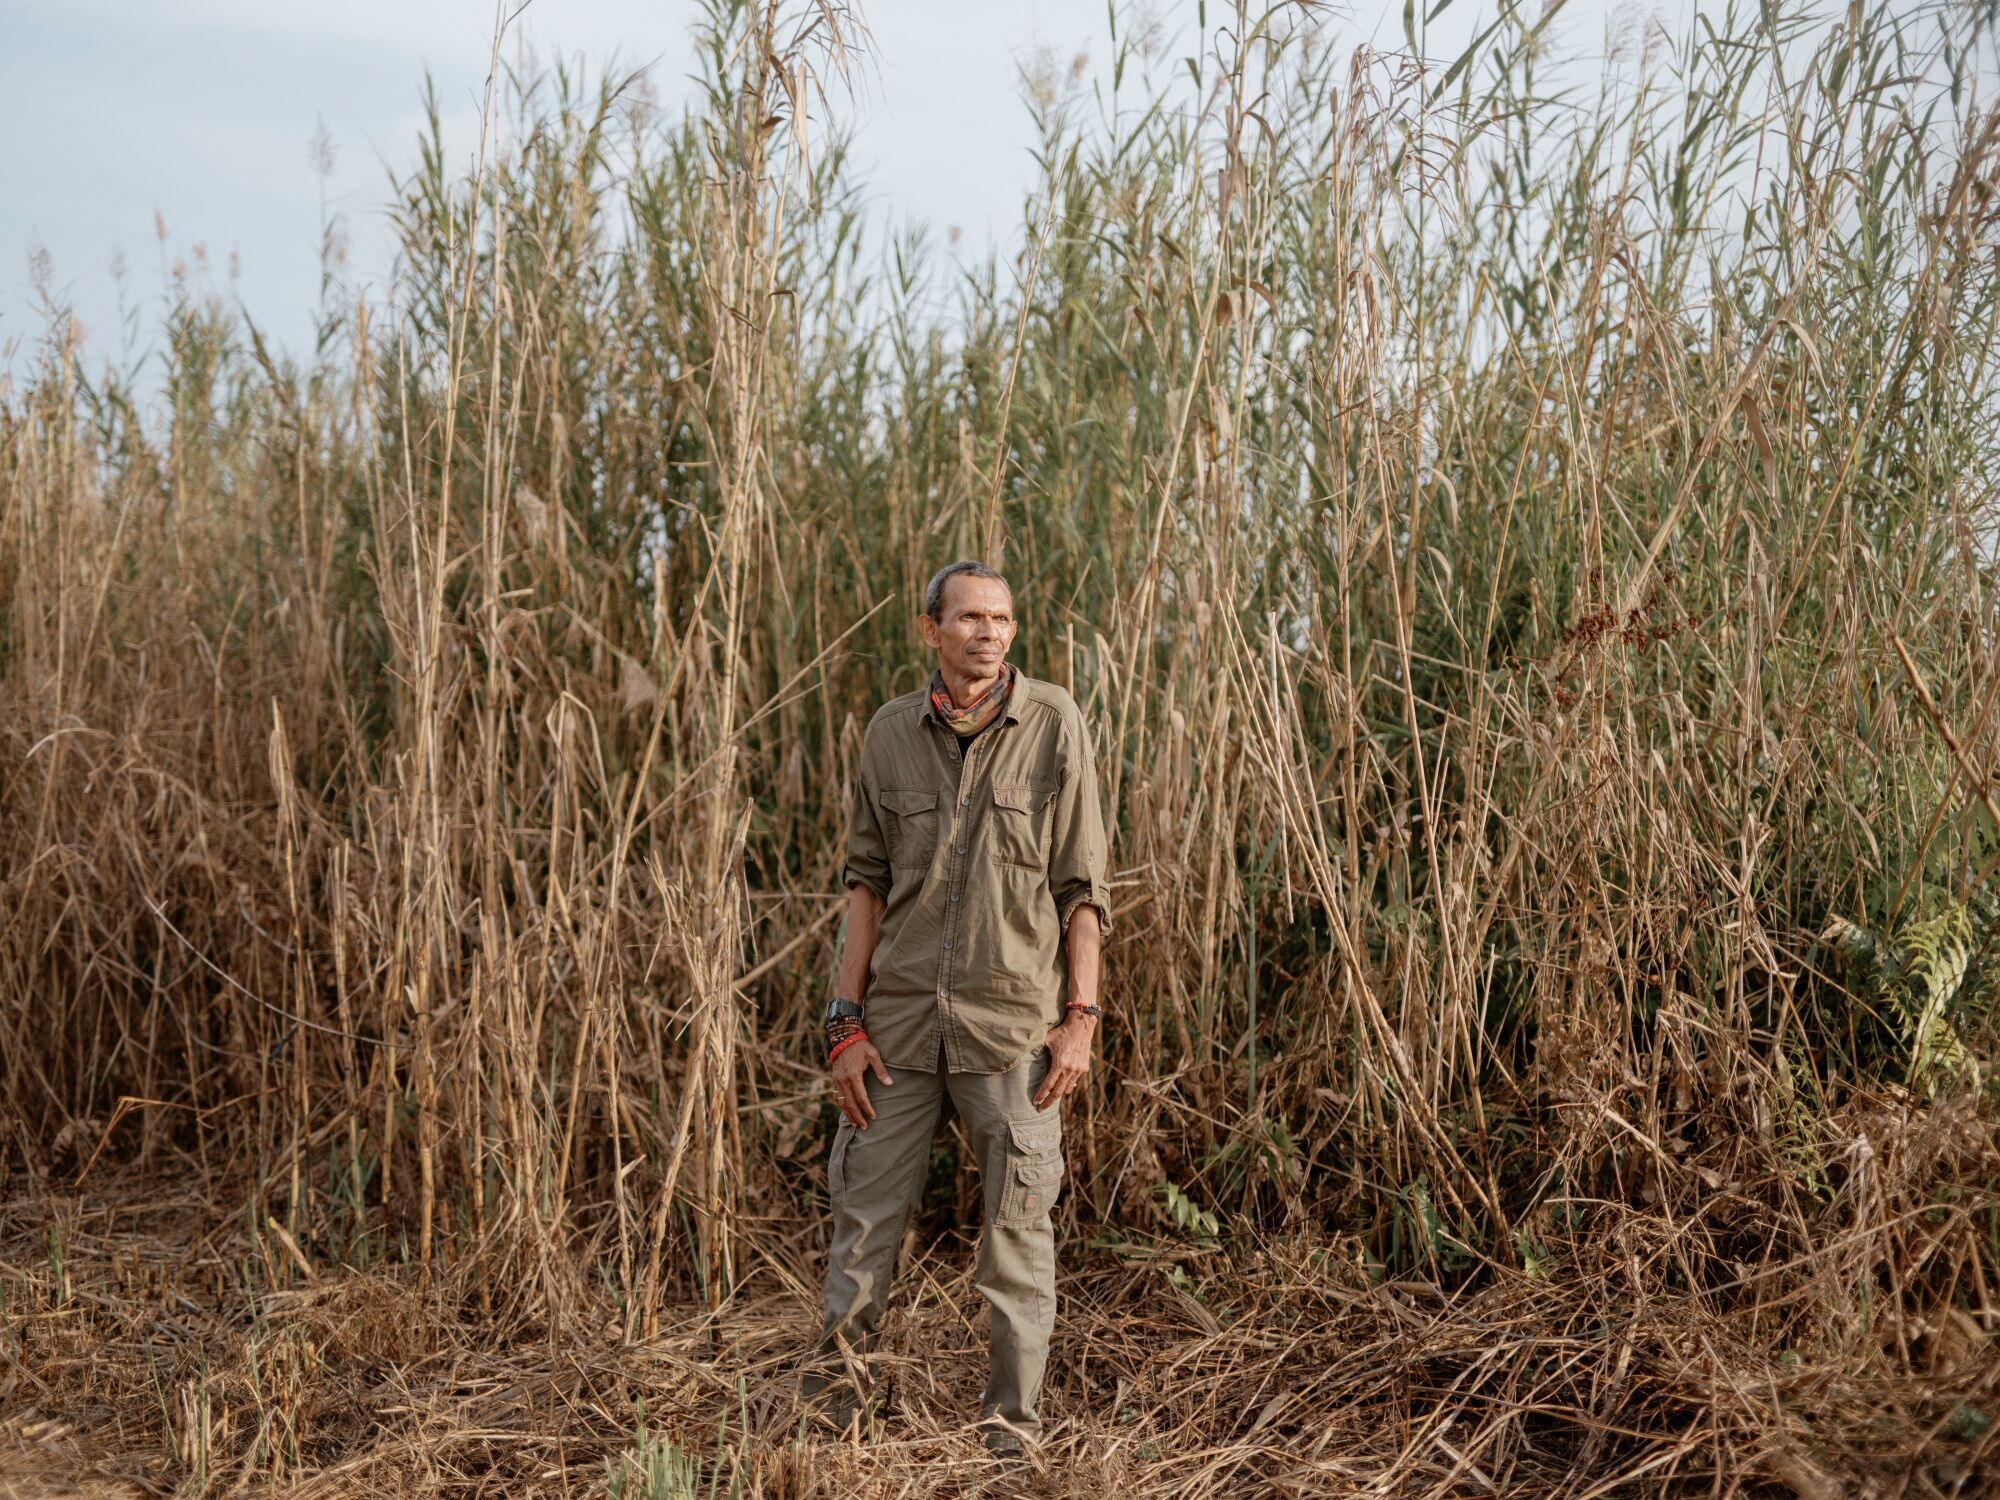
840, 1030
844, 1043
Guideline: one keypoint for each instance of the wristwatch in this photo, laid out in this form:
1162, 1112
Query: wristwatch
1095, 1012
840, 1006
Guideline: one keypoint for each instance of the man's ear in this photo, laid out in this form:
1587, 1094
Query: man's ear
927, 628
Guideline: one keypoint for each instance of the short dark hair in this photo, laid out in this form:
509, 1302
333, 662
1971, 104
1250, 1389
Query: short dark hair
964, 567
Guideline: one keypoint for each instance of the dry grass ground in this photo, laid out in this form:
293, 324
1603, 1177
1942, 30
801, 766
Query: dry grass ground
154, 1347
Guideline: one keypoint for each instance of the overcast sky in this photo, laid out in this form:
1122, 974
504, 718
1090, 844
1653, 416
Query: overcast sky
201, 111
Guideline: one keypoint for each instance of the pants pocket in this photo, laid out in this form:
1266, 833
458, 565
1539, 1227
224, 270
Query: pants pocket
1034, 1169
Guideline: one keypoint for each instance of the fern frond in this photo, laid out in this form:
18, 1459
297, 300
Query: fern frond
1935, 957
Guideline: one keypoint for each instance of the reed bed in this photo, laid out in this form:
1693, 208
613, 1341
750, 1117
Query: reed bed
1527, 556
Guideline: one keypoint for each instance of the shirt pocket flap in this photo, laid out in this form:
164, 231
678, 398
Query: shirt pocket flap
907, 800
1022, 798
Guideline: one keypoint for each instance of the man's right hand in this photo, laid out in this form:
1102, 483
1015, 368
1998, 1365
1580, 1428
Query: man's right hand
850, 1088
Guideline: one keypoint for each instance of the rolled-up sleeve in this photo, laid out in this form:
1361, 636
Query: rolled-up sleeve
1077, 855
867, 859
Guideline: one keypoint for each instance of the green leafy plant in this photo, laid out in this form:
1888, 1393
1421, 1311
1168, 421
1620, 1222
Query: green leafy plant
653, 1468
1922, 974
1188, 1216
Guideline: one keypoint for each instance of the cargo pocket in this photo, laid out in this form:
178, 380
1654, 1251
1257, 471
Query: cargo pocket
1034, 1169
912, 825
1020, 825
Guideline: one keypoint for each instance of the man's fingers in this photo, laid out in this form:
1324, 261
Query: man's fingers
881, 1068
1061, 1079
852, 1099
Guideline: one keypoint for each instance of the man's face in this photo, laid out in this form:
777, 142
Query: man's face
977, 627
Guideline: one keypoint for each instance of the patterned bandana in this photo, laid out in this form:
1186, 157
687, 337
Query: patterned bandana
983, 710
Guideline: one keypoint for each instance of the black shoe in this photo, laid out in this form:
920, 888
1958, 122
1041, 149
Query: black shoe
834, 1405
1001, 1443
841, 1416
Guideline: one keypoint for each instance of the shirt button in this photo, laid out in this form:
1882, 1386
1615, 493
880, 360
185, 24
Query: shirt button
952, 897
947, 942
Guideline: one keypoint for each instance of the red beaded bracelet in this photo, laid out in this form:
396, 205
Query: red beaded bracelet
843, 1044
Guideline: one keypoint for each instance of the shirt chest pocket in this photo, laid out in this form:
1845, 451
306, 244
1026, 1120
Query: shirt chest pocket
911, 826
1020, 824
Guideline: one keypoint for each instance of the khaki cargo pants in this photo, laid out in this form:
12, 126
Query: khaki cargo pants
876, 1177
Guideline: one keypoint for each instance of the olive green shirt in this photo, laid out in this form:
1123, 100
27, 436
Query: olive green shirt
979, 866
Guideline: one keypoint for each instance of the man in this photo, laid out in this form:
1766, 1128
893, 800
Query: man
975, 868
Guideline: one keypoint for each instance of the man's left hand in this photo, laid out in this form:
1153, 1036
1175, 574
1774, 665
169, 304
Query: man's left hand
1069, 1059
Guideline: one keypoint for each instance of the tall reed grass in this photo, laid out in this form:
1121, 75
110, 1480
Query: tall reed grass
1528, 558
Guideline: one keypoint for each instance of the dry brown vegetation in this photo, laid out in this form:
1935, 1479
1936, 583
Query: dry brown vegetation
1529, 563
